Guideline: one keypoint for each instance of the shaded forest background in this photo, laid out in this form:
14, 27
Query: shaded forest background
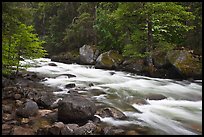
132, 28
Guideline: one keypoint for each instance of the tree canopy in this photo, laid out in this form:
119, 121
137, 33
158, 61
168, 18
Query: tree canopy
135, 29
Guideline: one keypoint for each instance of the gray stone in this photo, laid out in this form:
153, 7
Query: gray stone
30, 108
88, 54
86, 129
75, 108
52, 64
111, 112
155, 97
17, 96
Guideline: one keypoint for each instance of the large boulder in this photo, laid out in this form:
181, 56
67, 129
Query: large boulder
30, 108
109, 60
88, 54
75, 108
188, 65
159, 57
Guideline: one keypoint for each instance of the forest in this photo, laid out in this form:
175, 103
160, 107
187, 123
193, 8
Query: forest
134, 29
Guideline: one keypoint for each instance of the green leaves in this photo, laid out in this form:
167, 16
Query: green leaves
18, 42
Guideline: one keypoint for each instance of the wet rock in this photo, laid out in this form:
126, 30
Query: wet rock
30, 108
69, 129
52, 64
109, 60
136, 100
111, 112
7, 108
22, 131
75, 108
91, 84
56, 128
68, 75
17, 96
18, 103
182, 60
7, 117
134, 66
6, 129
53, 116
46, 100
96, 92
86, 129
112, 73
113, 131
88, 54
155, 97
9, 92
71, 85
31, 76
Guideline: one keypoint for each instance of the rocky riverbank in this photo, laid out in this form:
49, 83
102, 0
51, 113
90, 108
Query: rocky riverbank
175, 64
30, 108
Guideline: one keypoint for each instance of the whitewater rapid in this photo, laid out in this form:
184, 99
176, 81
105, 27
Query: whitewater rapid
178, 114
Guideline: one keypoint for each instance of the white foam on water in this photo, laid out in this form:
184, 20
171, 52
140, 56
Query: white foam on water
166, 114
183, 103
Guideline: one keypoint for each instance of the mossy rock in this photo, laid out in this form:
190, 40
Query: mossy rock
159, 58
186, 63
116, 56
109, 60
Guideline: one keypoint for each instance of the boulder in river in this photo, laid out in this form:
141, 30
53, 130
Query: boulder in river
88, 54
75, 108
70, 85
185, 63
111, 112
155, 97
52, 64
109, 60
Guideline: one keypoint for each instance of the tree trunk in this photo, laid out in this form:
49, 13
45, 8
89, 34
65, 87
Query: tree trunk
44, 24
149, 46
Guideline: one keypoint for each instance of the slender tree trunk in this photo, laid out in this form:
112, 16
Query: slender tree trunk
95, 33
149, 45
44, 24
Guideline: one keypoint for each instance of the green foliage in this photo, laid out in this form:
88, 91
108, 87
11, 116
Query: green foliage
81, 31
18, 41
124, 26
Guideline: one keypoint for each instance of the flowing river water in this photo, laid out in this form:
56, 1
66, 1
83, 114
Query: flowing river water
179, 113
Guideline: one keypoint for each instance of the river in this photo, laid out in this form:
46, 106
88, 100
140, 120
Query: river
179, 114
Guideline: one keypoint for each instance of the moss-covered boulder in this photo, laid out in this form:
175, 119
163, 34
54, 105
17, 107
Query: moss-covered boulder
109, 60
159, 58
186, 63
88, 54
67, 57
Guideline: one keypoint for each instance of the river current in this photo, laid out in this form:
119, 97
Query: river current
179, 114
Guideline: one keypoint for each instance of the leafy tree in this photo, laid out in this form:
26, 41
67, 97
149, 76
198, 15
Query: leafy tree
81, 30
18, 40
137, 28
